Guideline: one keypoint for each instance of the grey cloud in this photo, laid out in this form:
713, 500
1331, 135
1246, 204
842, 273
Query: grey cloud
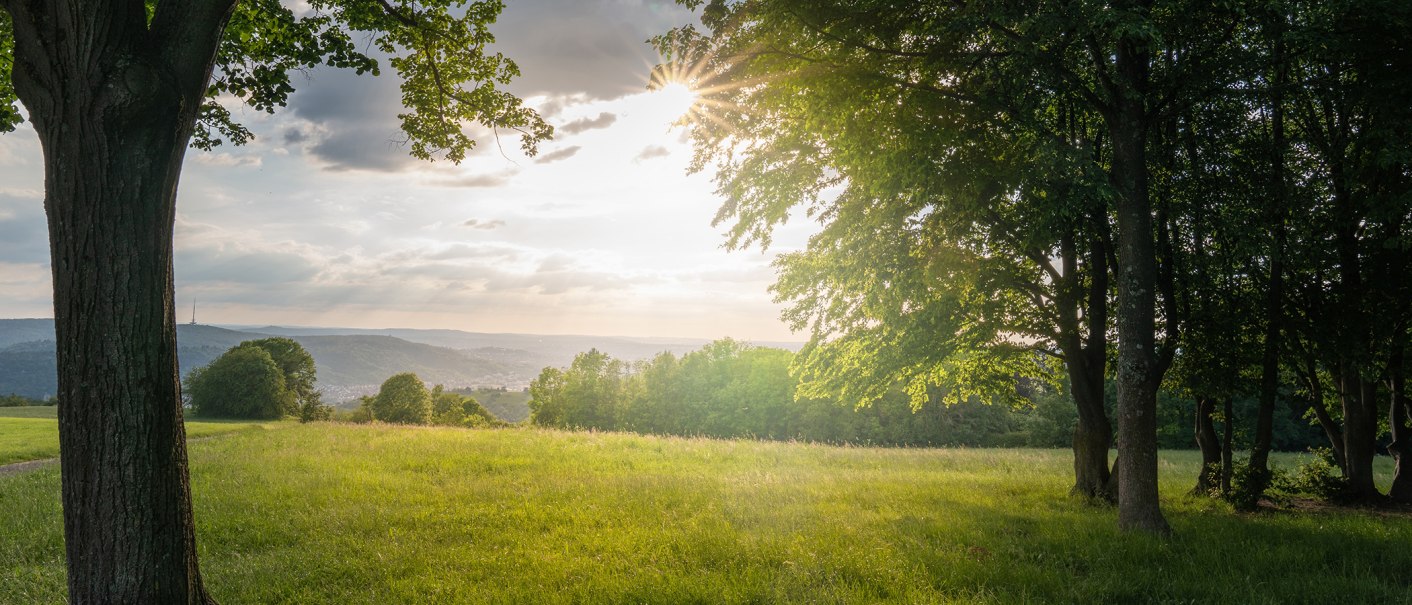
558, 154
476, 180
359, 113
596, 47
476, 223
653, 151
603, 120
351, 147
248, 268
24, 232
294, 136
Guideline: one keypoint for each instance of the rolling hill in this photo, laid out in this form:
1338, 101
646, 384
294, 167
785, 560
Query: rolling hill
351, 361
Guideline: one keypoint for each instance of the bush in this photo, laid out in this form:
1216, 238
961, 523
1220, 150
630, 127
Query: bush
243, 382
403, 399
1319, 478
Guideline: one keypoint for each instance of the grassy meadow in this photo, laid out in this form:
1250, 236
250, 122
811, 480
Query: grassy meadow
332, 513
32, 433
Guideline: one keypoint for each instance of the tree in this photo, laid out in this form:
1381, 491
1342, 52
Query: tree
981, 97
297, 366
402, 399
244, 382
116, 91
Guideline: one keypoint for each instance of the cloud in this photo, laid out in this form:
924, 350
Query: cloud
228, 160
24, 232
476, 180
653, 151
603, 120
558, 154
476, 223
362, 148
584, 46
294, 136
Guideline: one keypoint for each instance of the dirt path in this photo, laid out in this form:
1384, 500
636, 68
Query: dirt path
16, 468
28, 465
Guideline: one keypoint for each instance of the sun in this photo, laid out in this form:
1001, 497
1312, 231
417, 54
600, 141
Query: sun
675, 98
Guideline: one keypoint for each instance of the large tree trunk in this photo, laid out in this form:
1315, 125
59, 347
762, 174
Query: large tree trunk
1210, 444
1360, 434
114, 103
1139, 371
1092, 439
1227, 445
1274, 295
1086, 363
1401, 425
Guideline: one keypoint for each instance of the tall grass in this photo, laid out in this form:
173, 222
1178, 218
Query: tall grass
376, 514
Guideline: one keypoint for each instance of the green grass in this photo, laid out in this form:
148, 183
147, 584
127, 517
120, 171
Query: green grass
330, 513
36, 437
31, 411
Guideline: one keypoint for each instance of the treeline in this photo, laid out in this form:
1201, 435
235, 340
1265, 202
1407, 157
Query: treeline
405, 399
1211, 199
729, 389
19, 401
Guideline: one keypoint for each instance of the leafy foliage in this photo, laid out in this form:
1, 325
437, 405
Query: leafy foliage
402, 399
244, 382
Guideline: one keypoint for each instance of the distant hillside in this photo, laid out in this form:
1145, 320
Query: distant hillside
15, 331
539, 350
353, 362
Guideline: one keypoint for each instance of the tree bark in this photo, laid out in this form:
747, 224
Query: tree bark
1401, 425
1227, 445
1360, 434
1139, 372
1210, 444
1086, 362
1274, 296
114, 103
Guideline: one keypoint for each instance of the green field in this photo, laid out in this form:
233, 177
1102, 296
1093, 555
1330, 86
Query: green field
330, 513
32, 433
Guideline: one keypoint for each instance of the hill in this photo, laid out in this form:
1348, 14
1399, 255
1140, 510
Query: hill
351, 361
328, 513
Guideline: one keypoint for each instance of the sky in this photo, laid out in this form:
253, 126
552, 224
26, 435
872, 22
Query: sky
325, 220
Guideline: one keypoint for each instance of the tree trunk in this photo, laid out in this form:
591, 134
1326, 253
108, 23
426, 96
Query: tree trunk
1228, 445
1210, 444
1092, 440
1360, 434
1139, 372
1401, 425
1274, 296
1321, 412
114, 103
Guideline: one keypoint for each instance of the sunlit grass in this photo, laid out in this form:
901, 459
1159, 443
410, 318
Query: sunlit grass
32, 433
376, 514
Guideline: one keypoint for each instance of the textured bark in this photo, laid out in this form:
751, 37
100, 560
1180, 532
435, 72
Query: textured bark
114, 103
1360, 434
1332, 430
1228, 446
1139, 372
1210, 444
1401, 424
1086, 362
1274, 295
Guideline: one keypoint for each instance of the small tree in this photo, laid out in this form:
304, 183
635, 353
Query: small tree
297, 365
403, 399
243, 382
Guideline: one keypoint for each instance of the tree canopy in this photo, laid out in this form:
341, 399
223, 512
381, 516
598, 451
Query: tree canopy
244, 382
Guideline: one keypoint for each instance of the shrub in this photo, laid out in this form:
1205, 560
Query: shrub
243, 382
403, 399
